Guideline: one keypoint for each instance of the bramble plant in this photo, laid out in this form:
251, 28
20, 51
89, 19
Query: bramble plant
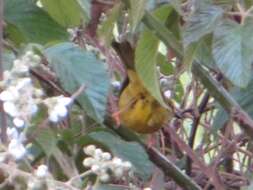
81, 79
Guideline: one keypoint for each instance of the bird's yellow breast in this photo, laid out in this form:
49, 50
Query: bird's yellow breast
139, 111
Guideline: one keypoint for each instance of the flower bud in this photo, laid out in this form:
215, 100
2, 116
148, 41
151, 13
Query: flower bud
42, 171
89, 150
95, 168
104, 178
106, 156
88, 162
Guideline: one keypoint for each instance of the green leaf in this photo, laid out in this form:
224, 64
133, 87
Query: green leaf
232, 51
14, 34
176, 4
76, 67
128, 151
146, 57
47, 139
247, 3
189, 54
32, 23
204, 52
67, 13
243, 97
86, 7
203, 21
105, 30
145, 63
136, 12
165, 66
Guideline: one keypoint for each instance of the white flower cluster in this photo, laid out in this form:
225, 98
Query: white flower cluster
42, 171
104, 165
16, 147
57, 107
20, 97
21, 101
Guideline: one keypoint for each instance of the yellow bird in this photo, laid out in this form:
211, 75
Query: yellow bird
138, 110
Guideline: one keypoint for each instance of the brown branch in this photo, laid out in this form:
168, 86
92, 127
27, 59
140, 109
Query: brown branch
193, 131
168, 167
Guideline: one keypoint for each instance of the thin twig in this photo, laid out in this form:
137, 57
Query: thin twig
193, 132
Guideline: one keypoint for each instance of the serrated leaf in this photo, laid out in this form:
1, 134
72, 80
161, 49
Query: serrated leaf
232, 51
136, 12
67, 13
203, 21
76, 67
33, 23
47, 139
146, 57
128, 151
105, 30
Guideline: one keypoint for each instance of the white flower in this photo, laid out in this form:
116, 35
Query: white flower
127, 165
16, 149
116, 84
41, 171
98, 154
6, 96
103, 165
33, 108
23, 83
11, 94
65, 101
18, 122
61, 110
12, 133
38, 92
168, 94
118, 172
20, 67
10, 108
57, 107
89, 150
88, 162
95, 168
104, 177
117, 161
106, 156
53, 116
